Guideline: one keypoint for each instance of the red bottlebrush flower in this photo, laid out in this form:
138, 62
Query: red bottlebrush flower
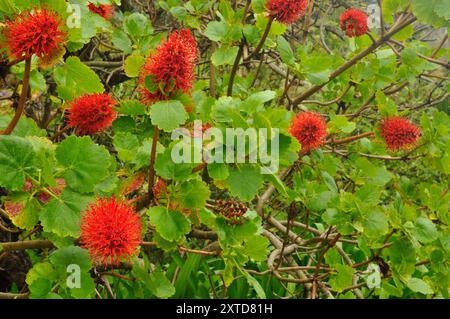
354, 22
104, 10
110, 231
171, 67
287, 11
309, 129
38, 32
399, 133
91, 113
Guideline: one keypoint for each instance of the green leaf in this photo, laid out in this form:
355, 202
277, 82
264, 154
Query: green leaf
216, 30
25, 127
340, 124
256, 248
7, 6
343, 279
425, 230
244, 181
133, 65
167, 169
132, 107
329, 181
255, 284
86, 164
40, 279
257, 100
160, 286
194, 193
286, 53
218, 171
277, 182
69, 255
16, 159
126, 145
224, 56
63, 217
168, 115
121, 41
75, 79
137, 25
418, 285
375, 224
171, 225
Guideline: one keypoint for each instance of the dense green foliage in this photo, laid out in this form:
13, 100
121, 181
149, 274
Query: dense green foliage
348, 220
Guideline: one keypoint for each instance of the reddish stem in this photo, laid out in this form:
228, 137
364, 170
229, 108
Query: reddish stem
22, 100
351, 138
151, 174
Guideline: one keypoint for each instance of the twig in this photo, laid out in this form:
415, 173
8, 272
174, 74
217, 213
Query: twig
22, 101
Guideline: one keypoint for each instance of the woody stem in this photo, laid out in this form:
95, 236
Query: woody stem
351, 138
151, 174
22, 100
263, 39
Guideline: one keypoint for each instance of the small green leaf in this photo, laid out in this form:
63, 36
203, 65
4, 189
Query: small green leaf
244, 181
216, 30
257, 248
194, 193
75, 79
63, 217
224, 55
171, 225
168, 115
86, 164
133, 65
16, 159
425, 231
418, 285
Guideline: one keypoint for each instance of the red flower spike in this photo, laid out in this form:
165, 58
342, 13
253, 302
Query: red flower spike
37, 32
287, 11
110, 231
171, 67
399, 133
104, 10
354, 22
309, 129
91, 113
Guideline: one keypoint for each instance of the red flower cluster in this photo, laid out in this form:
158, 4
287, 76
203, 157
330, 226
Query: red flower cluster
287, 11
38, 32
354, 22
399, 133
171, 67
309, 129
104, 10
110, 231
91, 113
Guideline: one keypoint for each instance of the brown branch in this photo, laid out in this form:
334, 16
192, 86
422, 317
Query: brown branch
22, 101
151, 172
347, 65
350, 139
262, 40
6, 295
235, 68
23, 245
